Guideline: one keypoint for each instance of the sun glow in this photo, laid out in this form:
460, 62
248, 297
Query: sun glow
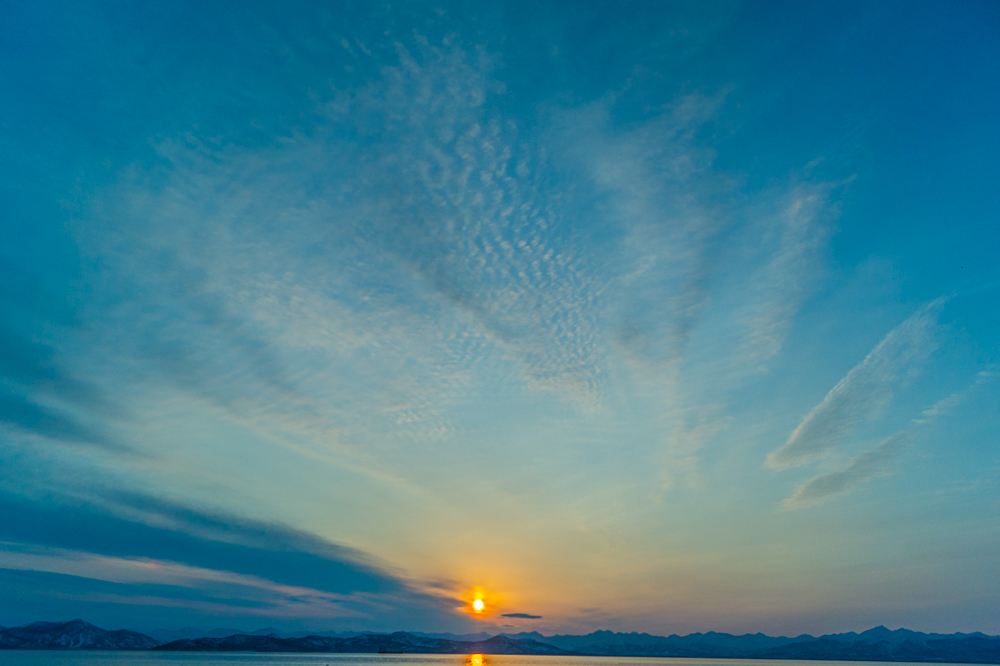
480, 603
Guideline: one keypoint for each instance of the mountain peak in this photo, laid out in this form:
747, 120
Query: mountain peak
73, 635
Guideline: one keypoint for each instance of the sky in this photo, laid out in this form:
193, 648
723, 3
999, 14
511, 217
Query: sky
641, 316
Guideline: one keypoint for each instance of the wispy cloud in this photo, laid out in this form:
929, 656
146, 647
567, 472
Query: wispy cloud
799, 232
264, 281
657, 192
868, 465
871, 464
864, 391
449, 250
692, 428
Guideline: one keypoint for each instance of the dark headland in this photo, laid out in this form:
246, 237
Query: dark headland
878, 644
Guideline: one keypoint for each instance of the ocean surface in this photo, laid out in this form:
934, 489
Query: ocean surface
125, 658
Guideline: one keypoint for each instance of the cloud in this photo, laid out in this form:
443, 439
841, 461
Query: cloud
692, 429
347, 291
800, 231
868, 465
864, 391
457, 196
344, 288
655, 189
235, 589
41, 590
523, 616
877, 462
164, 531
185, 553
38, 395
54, 424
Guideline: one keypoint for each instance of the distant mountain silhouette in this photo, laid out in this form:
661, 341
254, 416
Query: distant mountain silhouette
72, 635
878, 644
402, 642
169, 635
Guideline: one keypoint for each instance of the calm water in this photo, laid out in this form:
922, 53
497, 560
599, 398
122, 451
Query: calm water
95, 658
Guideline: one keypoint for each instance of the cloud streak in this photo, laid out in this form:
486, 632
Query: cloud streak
801, 230
877, 462
868, 465
39, 396
105, 547
863, 392
655, 187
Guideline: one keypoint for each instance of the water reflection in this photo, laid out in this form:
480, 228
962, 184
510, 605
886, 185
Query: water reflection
476, 660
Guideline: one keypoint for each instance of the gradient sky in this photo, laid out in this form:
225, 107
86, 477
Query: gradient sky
664, 317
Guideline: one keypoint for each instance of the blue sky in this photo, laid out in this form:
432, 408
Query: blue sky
665, 317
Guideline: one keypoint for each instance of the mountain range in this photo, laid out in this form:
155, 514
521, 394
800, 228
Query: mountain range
878, 644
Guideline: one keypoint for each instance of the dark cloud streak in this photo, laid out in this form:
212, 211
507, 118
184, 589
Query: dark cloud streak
242, 546
51, 423
29, 369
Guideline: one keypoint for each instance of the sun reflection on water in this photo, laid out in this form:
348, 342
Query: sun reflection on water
476, 660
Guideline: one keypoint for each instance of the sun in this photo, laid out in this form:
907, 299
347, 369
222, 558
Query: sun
480, 602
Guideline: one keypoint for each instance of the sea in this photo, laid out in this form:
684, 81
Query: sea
128, 658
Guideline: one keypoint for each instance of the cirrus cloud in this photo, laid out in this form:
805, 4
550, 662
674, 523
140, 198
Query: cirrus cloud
864, 391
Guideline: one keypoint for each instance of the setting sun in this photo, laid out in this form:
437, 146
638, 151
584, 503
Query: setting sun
480, 602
